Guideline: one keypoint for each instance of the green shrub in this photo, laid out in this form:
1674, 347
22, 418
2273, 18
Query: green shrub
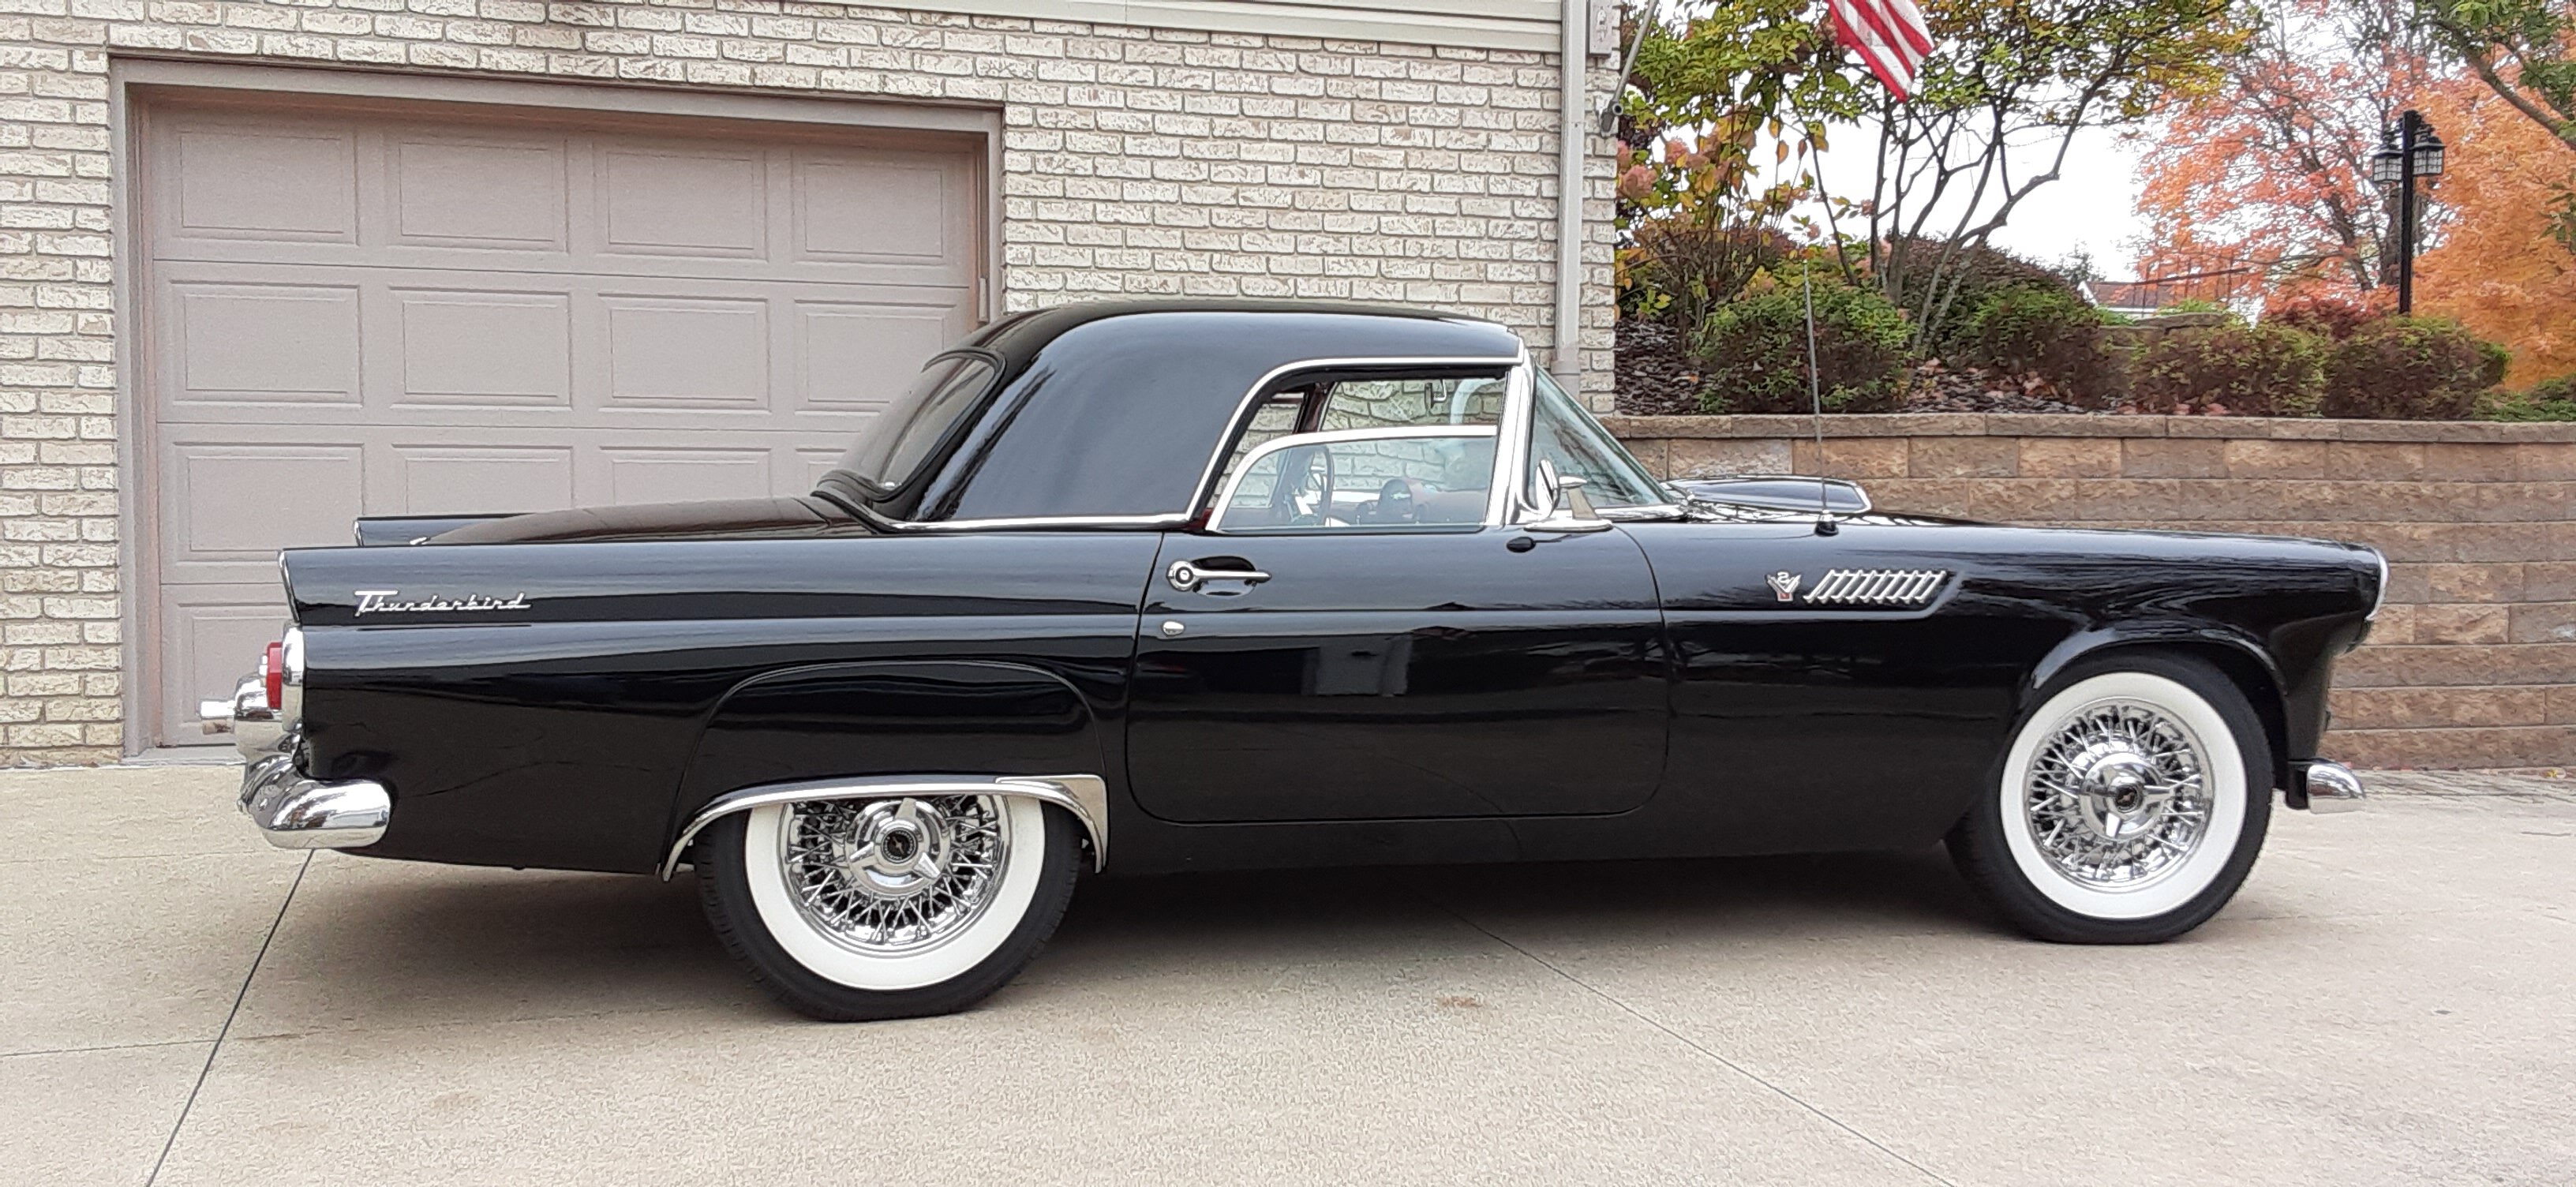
2195, 305
1754, 349
2549, 399
1978, 272
2263, 370
2049, 333
2408, 368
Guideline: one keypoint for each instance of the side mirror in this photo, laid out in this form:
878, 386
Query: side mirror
1562, 506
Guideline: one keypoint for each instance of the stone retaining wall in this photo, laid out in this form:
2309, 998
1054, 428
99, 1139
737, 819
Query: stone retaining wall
2472, 664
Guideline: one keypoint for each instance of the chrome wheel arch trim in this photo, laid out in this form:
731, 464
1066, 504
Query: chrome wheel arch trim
1086, 797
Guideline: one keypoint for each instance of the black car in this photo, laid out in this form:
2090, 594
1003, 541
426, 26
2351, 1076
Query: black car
1148, 588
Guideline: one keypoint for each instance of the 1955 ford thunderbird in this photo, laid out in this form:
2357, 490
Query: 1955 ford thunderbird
1150, 588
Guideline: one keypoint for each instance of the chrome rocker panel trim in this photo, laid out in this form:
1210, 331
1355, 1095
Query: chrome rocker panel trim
295, 812
2329, 786
1085, 796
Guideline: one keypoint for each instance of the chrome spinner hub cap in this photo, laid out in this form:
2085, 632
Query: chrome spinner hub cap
2117, 796
898, 875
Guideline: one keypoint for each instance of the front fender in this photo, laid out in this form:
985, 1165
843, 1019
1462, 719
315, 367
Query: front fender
889, 718
2241, 657
2081, 645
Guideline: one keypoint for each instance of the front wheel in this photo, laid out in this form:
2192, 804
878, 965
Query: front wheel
854, 910
2129, 808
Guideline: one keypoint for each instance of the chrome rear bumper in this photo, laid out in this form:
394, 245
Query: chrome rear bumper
295, 812
290, 809
2327, 786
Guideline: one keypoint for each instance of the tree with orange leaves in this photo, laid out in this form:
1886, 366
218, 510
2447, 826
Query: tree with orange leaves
2506, 265
2268, 176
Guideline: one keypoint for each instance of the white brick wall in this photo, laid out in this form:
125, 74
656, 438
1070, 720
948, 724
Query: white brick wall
1137, 163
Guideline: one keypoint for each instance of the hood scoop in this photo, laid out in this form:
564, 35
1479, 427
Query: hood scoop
1779, 492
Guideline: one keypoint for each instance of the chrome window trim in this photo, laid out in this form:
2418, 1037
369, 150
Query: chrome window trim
1243, 407
1216, 510
1085, 796
1525, 506
1512, 501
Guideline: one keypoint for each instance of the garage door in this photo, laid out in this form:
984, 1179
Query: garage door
424, 311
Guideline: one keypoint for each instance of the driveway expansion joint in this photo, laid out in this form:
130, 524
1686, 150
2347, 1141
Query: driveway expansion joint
238, 997
1686, 1041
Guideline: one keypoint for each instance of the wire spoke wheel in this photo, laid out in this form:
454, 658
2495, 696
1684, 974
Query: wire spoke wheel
889, 877
2128, 807
2117, 796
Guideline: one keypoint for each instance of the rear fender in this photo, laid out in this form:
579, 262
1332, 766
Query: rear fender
824, 726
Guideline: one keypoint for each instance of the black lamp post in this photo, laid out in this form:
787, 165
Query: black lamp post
2410, 152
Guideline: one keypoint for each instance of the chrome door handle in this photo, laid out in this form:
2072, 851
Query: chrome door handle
1187, 576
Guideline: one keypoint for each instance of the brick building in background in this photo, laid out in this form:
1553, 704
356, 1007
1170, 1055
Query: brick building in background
265, 267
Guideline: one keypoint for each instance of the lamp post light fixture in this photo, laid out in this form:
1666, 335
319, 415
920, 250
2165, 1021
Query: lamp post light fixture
2406, 153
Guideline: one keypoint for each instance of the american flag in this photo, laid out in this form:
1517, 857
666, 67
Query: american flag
1888, 34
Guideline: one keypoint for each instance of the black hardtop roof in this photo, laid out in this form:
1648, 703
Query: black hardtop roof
1114, 409
1020, 336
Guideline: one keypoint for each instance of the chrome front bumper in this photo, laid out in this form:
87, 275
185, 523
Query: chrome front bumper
2327, 786
290, 809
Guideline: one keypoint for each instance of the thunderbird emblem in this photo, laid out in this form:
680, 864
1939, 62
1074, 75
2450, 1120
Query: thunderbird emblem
1785, 584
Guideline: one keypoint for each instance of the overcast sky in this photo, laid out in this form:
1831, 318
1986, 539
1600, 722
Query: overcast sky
2093, 206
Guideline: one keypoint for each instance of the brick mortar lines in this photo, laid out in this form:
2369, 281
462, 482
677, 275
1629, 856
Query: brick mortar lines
1136, 162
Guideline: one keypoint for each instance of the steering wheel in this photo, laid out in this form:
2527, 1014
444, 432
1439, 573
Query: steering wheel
1400, 500
1306, 486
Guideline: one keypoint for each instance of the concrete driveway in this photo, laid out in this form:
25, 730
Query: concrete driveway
2389, 1001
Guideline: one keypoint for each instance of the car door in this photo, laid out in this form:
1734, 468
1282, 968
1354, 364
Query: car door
1354, 637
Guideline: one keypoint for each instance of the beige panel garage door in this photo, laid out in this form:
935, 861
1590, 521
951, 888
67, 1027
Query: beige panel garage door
406, 312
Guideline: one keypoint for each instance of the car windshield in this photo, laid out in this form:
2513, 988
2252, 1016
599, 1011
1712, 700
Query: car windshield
893, 445
1563, 433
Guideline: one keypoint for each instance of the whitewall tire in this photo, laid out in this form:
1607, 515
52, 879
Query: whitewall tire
848, 910
2129, 806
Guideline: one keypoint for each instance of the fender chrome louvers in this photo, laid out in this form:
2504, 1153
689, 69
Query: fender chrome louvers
1877, 587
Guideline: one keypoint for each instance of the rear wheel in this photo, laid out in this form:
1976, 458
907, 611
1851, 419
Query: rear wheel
851, 910
2130, 806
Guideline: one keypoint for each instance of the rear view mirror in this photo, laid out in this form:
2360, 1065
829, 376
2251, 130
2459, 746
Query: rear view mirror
1562, 506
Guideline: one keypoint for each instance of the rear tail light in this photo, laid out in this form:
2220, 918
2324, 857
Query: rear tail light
272, 674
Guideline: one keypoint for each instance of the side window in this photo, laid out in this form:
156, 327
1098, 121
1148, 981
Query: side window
1393, 403
1362, 480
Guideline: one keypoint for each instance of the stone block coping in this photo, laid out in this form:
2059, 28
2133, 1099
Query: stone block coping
2039, 424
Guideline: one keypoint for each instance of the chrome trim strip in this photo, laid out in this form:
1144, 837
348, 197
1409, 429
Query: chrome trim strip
1512, 473
1216, 513
2381, 599
1028, 522
1085, 796
290, 708
2329, 786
